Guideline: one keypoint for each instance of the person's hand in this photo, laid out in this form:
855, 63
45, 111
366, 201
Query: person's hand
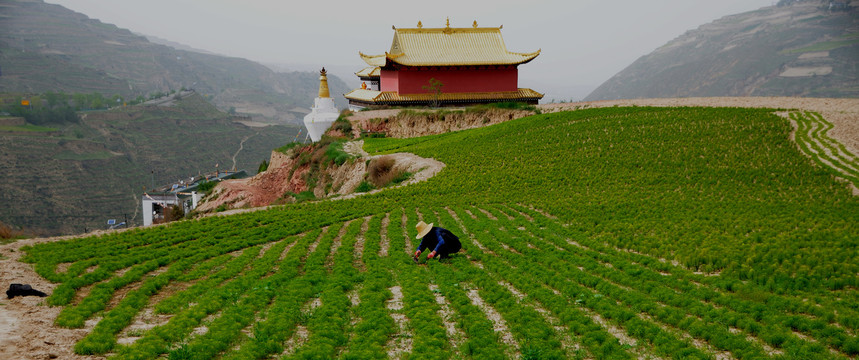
417, 253
431, 255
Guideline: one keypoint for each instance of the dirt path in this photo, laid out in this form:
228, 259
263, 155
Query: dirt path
241, 147
27, 328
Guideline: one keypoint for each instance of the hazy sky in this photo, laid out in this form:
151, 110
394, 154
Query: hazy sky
583, 42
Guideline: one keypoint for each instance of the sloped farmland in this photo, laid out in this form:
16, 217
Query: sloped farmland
606, 234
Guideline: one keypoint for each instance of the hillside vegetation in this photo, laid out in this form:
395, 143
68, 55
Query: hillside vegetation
613, 233
800, 49
65, 177
46, 47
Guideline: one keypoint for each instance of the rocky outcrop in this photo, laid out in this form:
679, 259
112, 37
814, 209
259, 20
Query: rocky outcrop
287, 176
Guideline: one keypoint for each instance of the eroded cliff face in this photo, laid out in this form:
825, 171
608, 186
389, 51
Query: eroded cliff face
406, 123
287, 176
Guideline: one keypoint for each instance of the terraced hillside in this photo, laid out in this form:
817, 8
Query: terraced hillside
612, 233
804, 48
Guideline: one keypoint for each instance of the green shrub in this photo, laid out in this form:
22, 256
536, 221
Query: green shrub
285, 149
206, 186
363, 187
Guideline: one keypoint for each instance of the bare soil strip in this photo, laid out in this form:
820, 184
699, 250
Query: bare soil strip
354, 298
385, 243
329, 261
401, 343
410, 248
488, 214
453, 334
470, 235
312, 247
296, 341
358, 253
120, 293
301, 334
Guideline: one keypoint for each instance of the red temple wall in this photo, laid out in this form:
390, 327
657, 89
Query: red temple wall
413, 81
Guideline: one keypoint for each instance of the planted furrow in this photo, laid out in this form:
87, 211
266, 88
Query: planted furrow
774, 327
499, 325
430, 339
715, 290
571, 348
386, 244
288, 311
329, 325
454, 335
232, 268
534, 335
371, 324
335, 245
223, 300
606, 297
409, 247
593, 336
529, 328
359, 245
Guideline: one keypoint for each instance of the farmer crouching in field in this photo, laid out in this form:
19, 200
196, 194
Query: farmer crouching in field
442, 241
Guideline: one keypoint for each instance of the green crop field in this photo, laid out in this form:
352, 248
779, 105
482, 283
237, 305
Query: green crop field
617, 233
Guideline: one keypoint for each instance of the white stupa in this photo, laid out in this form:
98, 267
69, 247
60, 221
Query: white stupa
323, 113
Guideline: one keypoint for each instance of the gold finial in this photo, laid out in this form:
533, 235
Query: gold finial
447, 30
420, 25
364, 85
474, 25
393, 27
323, 84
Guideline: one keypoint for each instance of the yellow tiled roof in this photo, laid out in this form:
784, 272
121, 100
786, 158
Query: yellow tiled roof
373, 60
372, 71
388, 97
449, 46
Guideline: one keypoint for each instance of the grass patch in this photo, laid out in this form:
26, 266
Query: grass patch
71, 155
27, 128
286, 148
846, 40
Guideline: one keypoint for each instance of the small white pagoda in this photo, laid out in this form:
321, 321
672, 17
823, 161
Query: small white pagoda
323, 113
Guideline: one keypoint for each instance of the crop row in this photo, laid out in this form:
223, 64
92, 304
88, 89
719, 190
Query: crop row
673, 233
811, 135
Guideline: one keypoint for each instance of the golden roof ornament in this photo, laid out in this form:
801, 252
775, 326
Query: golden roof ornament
420, 25
447, 29
323, 84
474, 25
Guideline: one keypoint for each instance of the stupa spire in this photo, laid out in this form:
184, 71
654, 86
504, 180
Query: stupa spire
323, 84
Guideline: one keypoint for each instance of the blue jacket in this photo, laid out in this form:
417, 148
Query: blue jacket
440, 240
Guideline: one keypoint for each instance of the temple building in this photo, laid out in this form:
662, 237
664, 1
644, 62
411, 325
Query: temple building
323, 113
443, 67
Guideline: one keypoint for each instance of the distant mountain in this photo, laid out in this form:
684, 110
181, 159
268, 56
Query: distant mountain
60, 178
46, 47
803, 48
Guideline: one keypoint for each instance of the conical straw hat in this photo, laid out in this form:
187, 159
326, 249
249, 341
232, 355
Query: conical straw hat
423, 229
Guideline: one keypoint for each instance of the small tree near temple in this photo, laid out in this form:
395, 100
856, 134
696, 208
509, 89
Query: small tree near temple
434, 87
